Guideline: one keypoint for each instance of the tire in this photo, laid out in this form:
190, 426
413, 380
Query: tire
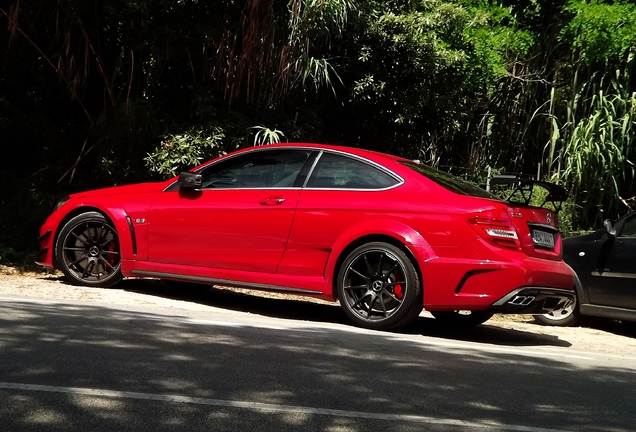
378, 287
568, 316
462, 319
87, 251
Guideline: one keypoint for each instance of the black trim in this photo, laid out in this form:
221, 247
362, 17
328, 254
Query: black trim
45, 235
608, 312
132, 235
524, 186
43, 251
214, 281
470, 274
609, 274
533, 300
304, 171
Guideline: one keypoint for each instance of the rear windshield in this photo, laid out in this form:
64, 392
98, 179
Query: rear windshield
449, 181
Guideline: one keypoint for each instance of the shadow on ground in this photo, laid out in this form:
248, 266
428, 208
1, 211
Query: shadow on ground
298, 308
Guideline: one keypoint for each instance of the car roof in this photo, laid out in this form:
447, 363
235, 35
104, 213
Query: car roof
369, 154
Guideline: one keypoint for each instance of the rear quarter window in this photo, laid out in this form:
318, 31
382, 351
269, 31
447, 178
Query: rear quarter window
335, 171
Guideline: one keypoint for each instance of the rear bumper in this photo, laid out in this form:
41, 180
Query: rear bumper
480, 284
532, 300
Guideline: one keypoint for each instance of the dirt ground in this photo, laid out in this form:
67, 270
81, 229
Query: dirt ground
597, 335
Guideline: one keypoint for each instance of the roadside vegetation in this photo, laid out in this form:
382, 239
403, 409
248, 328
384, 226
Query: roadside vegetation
94, 94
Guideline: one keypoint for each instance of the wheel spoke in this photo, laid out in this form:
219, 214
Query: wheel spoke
75, 249
351, 269
355, 287
373, 299
390, 294
385, 275
101, 236
379, 272
90, 236
103, 261
106, 243
84, 242
384, 312
369, 268
86, 272
108, 252
361, 299
83, 257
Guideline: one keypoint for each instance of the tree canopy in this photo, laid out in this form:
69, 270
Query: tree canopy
108, 92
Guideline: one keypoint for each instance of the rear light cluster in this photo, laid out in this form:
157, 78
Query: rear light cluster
495, 227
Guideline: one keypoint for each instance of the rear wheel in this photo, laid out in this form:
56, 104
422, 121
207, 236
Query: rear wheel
566, 316
462, 318
378, 287
87, 251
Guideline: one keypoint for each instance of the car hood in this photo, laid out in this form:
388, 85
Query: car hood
117, 190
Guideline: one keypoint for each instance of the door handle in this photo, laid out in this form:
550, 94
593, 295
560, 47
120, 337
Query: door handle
272, 201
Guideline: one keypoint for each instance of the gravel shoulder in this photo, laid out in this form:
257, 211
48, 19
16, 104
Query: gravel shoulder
602, 336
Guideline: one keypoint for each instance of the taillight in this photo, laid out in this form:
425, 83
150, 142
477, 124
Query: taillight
495, 227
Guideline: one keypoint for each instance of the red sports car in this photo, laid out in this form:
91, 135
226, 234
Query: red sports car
384, 235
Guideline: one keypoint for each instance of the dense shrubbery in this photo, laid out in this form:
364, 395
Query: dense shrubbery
101, 93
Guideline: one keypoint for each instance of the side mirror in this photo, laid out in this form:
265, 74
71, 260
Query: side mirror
190, 181
607, 226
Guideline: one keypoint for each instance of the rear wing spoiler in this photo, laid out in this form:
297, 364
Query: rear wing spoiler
524, 188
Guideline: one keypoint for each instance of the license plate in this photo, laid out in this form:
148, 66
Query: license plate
543, 239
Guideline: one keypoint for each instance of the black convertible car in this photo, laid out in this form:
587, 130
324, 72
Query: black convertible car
605, 265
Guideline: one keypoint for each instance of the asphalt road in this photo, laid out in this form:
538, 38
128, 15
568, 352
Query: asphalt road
223, 362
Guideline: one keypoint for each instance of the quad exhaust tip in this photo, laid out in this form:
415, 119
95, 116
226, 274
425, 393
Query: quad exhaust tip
521, 300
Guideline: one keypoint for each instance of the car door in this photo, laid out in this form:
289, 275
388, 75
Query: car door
239, 220
614, 279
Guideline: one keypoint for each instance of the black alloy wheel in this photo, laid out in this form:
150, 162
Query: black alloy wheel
87, 251
378, 287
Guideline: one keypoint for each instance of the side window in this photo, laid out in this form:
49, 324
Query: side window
260, 169
629, 228
342, 172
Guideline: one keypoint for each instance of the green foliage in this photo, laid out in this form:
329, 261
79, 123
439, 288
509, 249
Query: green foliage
597, 158
87, 87
592, 147
601, 31
267, 136
185, 150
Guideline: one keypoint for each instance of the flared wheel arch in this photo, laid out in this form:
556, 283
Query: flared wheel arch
370, 239
80, 210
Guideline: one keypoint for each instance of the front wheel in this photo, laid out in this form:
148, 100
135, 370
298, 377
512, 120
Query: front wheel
378, 287
87, 251
457, 318
567, 315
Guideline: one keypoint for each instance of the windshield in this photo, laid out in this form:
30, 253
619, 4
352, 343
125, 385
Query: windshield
449, 181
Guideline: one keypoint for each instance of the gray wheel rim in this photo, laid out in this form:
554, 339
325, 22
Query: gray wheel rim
563, 313
90, 251
374, 285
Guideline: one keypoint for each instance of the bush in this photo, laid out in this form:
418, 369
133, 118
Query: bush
185, 150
